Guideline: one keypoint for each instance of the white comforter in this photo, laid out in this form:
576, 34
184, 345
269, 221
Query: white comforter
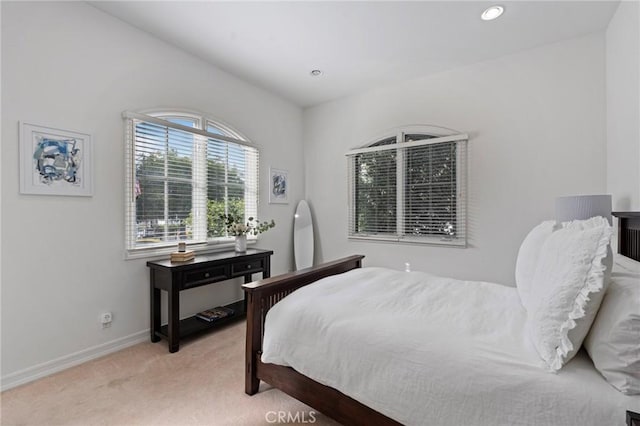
426, 350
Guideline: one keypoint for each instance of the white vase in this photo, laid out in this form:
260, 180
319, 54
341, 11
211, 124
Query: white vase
241, 243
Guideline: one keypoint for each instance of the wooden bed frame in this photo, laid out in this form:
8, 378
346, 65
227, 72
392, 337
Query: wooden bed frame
261, 296
628, 234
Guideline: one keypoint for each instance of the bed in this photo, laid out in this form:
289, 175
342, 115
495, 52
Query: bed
378, 346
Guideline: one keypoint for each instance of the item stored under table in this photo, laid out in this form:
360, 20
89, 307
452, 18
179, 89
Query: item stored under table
203, 270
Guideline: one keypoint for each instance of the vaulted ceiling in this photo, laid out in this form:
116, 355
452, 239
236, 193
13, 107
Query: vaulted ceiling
357, 45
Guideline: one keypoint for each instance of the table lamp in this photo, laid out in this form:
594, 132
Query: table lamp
580, 207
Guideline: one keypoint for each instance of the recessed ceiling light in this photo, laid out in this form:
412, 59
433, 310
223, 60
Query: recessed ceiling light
316, 73
492, 13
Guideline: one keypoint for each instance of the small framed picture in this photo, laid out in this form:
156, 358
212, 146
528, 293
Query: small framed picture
278, 186
55, 161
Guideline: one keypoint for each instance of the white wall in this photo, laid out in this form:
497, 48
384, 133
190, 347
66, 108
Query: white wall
537, 131
71, 66
536, 120
623, 106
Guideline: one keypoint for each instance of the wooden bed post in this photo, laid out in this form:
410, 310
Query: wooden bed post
253, 345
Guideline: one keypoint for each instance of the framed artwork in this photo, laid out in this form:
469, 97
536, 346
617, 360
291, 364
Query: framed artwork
55, 161
278, 186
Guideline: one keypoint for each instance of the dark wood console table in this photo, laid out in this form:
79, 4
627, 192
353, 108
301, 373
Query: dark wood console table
203, 270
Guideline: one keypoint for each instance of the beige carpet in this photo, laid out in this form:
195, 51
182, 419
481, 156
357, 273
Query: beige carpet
202, 384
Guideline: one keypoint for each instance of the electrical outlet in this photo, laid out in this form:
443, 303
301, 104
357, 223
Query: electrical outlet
106, 319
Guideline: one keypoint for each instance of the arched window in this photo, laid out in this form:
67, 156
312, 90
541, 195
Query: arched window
409, 185
184, 170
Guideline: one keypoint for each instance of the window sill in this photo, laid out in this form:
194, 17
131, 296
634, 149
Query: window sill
164, 252
427, 241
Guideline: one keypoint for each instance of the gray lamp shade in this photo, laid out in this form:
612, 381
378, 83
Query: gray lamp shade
580, 207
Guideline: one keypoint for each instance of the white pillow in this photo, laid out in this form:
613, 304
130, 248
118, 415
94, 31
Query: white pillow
567, 289
614, 340
528, 258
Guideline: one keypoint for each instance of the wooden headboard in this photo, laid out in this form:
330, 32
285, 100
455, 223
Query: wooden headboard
628, 234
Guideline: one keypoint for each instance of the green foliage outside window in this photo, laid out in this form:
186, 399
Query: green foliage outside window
375, 192
150, 201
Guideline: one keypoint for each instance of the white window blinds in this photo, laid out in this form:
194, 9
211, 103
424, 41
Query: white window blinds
410, 188
181, 177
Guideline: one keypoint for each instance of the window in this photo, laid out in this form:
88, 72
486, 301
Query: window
409, 186
183, 171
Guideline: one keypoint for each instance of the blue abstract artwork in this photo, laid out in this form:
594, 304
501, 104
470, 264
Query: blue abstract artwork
279, 186
57, 160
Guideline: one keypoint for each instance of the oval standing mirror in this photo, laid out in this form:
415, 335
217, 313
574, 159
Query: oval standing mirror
303, 236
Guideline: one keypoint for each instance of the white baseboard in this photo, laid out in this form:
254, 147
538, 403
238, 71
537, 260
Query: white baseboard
47, 368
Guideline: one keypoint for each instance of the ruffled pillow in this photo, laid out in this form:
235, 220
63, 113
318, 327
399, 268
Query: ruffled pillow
528, 258
567, 288
614, 339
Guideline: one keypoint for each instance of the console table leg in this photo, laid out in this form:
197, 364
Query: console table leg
155, 313
173, 327
267, 268
247, 279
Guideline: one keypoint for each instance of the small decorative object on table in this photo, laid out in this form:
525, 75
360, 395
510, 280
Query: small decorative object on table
241, 243
182, 256
237, 227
